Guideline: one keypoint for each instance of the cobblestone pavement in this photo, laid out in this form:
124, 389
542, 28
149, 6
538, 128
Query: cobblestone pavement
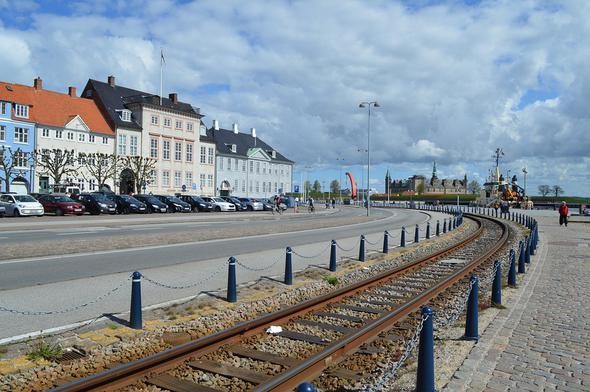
541, 341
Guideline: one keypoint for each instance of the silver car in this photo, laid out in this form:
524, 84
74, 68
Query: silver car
219, 204
21, 205
252, 204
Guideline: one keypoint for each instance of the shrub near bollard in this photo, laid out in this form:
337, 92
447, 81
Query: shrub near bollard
135, 320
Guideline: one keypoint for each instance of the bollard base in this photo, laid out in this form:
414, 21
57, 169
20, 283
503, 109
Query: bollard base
471, 338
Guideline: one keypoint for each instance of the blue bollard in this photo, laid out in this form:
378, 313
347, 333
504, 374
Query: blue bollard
402, 241
444, 225
333, 256
471, 323
512, 270
437, 228
454, 223
289, 266
527, 251
417, 234
425, 375
385, 242
306, 387
427, 230
521, 258
512, 216
232, 291
135, 321
497, 284
362, 249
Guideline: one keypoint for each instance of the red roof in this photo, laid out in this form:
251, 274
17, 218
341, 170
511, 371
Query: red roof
55, 109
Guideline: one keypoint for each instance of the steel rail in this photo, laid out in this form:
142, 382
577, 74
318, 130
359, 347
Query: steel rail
151, 365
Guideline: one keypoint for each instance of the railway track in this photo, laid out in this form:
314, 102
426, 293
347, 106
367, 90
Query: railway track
331, 338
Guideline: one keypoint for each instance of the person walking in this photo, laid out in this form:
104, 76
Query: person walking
563, 213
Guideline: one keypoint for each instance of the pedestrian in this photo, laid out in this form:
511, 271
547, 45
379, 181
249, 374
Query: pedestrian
333, 203
563, 213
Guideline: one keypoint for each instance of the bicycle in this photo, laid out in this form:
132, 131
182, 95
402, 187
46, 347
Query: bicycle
277, 209
310, 208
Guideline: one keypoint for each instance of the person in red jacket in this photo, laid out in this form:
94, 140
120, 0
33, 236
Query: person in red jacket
563, 213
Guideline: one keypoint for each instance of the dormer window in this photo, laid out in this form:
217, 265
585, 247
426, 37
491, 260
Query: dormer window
234, 148
21, 111
125, 115
273, 154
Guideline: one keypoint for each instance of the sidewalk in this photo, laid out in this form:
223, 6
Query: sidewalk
541, 341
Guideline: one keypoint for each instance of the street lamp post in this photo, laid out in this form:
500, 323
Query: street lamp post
368, 104
525, 173
340, 183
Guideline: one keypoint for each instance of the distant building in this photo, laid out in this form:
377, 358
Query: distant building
418, 184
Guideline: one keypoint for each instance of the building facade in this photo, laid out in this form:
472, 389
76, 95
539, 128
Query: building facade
247, 166
17, 138
420, 185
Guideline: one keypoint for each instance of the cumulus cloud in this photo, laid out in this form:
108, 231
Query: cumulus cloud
450, 78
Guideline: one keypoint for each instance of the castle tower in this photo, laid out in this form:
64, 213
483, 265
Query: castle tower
434, 177
387, 182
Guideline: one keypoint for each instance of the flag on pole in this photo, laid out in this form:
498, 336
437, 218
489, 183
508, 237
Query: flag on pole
162, 60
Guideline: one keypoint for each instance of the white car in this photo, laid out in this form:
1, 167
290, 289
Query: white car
21, 205
219, 204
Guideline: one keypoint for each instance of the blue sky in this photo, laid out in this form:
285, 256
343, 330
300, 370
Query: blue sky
455, 79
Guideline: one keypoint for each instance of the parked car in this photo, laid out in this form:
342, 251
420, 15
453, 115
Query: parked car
236, 202
174, 203
252, 204
153, 203
197, 203
61, 205
21, 205
2, 210
219, 204
96, 203
128, 204
267, 204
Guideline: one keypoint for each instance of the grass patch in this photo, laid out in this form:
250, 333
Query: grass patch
112, 326
332, 280
173, 317
44, 350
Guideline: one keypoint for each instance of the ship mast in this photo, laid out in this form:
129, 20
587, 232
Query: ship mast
497, 154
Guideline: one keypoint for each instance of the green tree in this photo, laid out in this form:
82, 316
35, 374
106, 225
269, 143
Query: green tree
420, 188
544, 190
317, 186
307, 186
335, 187
474, 187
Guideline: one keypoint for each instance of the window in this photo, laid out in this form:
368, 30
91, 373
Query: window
20, 159
189, 152
3, 108
167, 122
276, 188
211, 156
189, 126
45, 132
220, 163
178, 151
178, 124
264, 187
21, 135
234, 148
125, 115
165, 178
165, 151
203, 183
2, 133
251, 166
91, 138
21, 111
81, 182
105, 140
264, 168
154, 120
177, 179
133, 145
244, 166
81, 137
257, 186
236, 168
203, 155
70, 135
258, 167
122, 145
250, 188
282, 187
92, 184
236, 185
154, 148
188, 179
59, 134
210, 180
154, 178
229, 164
243, 185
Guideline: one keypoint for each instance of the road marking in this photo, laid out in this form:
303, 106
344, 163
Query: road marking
78, 233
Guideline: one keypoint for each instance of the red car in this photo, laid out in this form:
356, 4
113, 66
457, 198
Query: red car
61, 205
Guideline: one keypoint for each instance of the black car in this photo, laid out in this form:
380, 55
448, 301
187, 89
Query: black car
96, 203
174, 203
152, 203
197, 204
128, 204
267, 204
236, 202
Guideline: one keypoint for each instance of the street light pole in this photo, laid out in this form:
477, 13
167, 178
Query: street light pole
340, 183
368, 106
525, 173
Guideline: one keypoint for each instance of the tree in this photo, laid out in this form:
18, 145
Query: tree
55, 163
474, 187
544, 190
420, 188
100, 166
141, 167
335, 186
9, 161
557, 190
307, 186
317, 186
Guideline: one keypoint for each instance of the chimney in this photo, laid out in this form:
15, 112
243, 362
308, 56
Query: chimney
72, 91
216, 125
253, 132
235, 128
111, 80
173, 97
38, 83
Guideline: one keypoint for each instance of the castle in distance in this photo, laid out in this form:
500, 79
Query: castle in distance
419, 185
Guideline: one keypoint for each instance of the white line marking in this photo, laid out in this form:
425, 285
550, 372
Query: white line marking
78, 233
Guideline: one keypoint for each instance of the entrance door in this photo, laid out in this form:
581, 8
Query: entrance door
127, 182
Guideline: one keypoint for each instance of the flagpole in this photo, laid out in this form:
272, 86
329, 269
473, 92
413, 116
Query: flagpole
161, 73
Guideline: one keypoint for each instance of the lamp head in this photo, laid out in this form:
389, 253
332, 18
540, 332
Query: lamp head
376, 105
362, 105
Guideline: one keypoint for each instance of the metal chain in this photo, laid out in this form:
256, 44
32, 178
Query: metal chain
67, 310
371, 243
456, 310
188, 286
310, 257
345, 250
268, 267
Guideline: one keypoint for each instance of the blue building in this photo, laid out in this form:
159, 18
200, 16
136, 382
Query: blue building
17, 137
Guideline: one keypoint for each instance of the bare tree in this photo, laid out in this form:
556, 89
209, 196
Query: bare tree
100, 166
10, 160
474, 187
557, 190
56, 163
544, 190
141, 167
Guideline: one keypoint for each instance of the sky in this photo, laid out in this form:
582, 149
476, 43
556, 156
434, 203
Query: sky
454, 79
